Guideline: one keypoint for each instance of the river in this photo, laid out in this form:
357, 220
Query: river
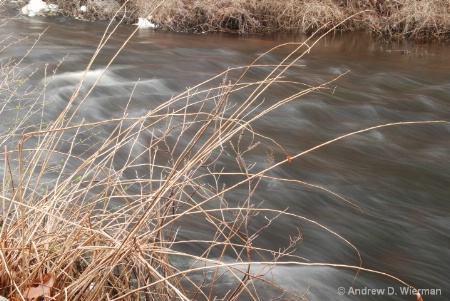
399, 176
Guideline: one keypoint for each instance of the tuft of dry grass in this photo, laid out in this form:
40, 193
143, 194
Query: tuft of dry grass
419, 19
106, 217
243, 16
405, 18
414, 19
95, 9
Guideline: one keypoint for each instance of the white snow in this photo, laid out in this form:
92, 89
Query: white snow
145, 23
36, 7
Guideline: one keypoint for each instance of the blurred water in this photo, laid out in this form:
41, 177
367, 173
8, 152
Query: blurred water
398, 176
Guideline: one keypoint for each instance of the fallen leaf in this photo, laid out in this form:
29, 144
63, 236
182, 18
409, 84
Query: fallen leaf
39, 288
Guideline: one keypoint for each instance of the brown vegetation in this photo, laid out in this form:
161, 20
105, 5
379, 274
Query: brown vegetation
406, 18
100, 219
109, 229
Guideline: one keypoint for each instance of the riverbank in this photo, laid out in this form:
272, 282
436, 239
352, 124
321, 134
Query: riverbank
413, 19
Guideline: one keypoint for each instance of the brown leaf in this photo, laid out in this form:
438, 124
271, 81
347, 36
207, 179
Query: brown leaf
39, 288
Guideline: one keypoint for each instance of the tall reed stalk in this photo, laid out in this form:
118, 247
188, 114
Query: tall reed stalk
107, 218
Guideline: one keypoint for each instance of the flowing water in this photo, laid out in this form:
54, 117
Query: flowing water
399, 176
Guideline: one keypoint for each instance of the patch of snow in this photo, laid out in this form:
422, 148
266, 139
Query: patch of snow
145, 23
37, 7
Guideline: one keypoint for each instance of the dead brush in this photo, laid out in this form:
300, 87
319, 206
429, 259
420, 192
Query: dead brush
243, 16
423, 20
402, 18
418, 20
108, 218
309, 16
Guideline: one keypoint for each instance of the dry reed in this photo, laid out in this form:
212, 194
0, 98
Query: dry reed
105, 217
414, 19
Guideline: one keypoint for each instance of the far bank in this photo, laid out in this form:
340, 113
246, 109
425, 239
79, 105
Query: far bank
412, 19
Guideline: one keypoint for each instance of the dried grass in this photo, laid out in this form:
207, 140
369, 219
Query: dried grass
95, 9
415, 19
406, 18
107, 229
243, 16
105, 217
419, 19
